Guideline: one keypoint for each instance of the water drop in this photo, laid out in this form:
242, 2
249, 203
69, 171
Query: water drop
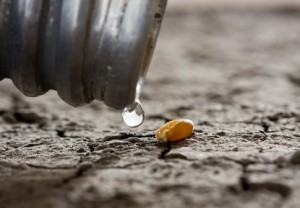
133, 115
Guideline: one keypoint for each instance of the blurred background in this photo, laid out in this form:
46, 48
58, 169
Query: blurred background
231, 4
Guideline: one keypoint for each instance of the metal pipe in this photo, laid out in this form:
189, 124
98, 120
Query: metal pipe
83, 49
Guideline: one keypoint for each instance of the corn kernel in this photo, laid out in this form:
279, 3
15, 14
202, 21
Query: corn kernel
175, 130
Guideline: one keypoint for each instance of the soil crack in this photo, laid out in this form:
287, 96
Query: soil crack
166, 150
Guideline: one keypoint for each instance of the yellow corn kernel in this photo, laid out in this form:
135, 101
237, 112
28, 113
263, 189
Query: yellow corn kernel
175, 130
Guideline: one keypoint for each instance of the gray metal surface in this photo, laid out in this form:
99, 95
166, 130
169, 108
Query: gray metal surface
83, 49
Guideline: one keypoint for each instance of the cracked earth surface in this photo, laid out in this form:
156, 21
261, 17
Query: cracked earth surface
236, 74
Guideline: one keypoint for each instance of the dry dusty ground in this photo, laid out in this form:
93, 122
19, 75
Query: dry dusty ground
236, 74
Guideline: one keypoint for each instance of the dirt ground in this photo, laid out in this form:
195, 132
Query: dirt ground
235, 73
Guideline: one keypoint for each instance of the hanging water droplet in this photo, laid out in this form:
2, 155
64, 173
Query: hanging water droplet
133, 115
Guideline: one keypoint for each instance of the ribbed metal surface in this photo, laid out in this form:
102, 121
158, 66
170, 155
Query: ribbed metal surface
83, 49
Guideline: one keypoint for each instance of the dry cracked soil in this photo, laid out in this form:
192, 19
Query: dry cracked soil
235, 73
